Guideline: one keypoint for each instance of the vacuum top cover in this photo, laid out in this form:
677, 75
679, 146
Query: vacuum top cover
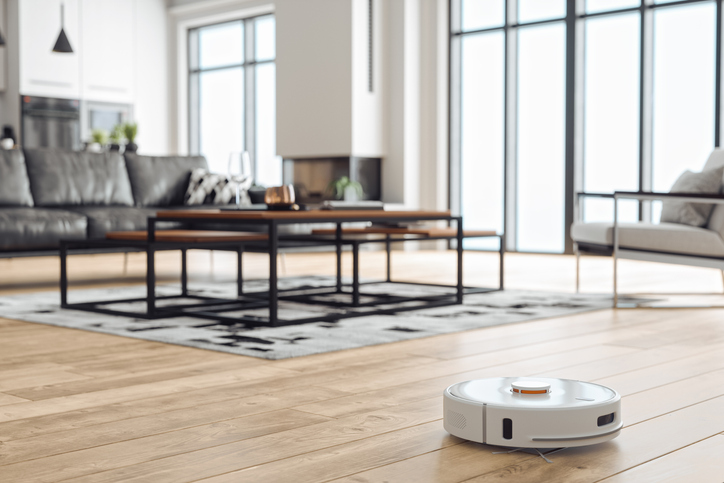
534, 393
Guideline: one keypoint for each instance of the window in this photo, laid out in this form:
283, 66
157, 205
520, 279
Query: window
232, 95
548, 99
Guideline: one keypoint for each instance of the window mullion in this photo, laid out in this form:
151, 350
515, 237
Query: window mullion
510, 202
718, 80
249, 91
646, 108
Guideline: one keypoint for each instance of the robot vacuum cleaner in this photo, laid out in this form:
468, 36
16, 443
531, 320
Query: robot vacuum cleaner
532, 413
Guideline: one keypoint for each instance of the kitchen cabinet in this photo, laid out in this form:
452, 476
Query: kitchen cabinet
108, 64
42, 71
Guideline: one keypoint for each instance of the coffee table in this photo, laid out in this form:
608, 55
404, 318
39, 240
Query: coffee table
164, 240
270, 221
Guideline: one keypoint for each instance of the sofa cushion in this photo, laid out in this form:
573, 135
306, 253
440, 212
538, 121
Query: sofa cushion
102, 219
35, 228
161, 180
664, 237
59, 177
688, 213
14, 182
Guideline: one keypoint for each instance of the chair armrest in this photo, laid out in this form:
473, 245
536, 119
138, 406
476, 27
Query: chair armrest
584, 194
715, 198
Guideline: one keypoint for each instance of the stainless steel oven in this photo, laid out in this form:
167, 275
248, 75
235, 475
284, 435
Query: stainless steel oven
50, 123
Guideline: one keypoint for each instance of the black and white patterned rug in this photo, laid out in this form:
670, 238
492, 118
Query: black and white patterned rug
478, 311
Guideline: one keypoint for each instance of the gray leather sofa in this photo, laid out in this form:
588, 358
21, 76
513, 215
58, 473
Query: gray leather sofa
49, 194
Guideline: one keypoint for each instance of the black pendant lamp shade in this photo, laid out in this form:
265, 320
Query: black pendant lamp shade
2, 39
62, 45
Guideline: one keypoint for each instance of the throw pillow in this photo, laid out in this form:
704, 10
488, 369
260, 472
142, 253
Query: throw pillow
216, 189
687, 213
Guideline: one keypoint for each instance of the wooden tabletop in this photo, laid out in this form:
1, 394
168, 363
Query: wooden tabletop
189, 236
422, 231
300, 215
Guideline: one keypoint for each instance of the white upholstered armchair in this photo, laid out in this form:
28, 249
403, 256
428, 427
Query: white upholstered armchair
677, 243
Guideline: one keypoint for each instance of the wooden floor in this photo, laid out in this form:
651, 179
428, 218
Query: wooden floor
87, 407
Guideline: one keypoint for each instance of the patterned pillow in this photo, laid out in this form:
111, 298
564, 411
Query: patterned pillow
216, 189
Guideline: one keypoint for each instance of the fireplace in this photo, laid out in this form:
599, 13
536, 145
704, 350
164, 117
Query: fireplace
311, 176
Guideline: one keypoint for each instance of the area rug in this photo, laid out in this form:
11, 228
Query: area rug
478, 311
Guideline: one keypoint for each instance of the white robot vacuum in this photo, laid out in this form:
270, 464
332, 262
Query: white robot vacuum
532, 413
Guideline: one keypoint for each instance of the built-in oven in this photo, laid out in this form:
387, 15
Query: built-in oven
50, 123
103, 115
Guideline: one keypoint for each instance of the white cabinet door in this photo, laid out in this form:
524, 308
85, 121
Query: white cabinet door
108, 64
42, 71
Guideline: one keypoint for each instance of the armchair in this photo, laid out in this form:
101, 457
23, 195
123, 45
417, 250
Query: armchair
664, 242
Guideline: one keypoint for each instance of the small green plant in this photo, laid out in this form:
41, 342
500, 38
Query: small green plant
99, 136
130, 129
338, 187
117, 136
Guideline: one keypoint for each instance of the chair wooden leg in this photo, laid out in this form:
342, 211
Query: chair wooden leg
615, 281
211, 263
125, 264
722, 277
578, 269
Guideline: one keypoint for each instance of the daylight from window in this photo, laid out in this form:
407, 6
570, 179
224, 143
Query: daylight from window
233, 97
640, 110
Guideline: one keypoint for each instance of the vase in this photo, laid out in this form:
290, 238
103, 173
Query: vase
131, 147
350, 194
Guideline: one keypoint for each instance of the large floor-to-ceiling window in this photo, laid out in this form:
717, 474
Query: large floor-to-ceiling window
550, 97
232, 95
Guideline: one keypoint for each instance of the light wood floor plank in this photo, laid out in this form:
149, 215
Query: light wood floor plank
6, 399
84, 421
134, 451
146, 411
700, 462
266, 449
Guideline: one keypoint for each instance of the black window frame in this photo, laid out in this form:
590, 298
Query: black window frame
248, 67
575, 42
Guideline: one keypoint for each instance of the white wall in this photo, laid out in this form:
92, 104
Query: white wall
152, 78
323, 107
367, 107
314, 77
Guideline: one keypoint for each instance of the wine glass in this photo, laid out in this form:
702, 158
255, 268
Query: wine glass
239, 170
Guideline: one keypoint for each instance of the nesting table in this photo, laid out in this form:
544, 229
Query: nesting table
202, 232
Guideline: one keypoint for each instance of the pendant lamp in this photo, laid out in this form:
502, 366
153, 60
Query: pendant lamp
2, 39
62, 45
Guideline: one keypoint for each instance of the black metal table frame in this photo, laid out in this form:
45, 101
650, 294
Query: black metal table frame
272, 296
152, 311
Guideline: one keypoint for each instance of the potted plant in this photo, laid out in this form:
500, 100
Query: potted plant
346, 188
99, 138
116, 137
130, 129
